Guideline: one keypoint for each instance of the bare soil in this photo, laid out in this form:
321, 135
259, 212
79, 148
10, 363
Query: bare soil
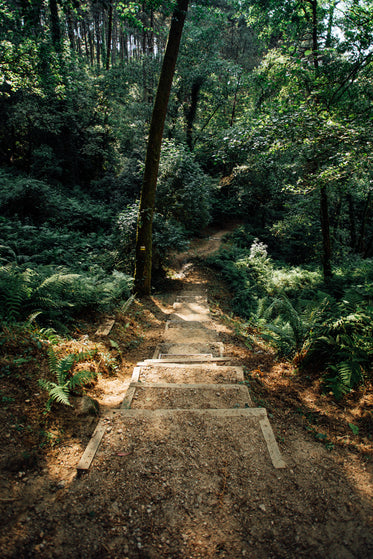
188, 485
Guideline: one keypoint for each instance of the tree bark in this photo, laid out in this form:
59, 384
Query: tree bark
55, 25
325, 229
192, 110
360, 247
235, 101
142, 284
351, 214
98, 42
315, 43
109, 36
70, 27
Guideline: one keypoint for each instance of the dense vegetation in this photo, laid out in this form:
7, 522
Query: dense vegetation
270, 124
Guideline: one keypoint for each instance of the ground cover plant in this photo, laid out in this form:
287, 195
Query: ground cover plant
323, 326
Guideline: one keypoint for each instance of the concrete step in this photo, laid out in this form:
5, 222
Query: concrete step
186, 359
186, 396
191, 306
188, 316
191, 298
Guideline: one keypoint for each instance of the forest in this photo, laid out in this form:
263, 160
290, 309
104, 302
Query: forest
269, 128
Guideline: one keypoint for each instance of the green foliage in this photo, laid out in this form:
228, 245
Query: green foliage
327, 327
57, 296
66, 380
167, 235
340, 341
184, 190
38, 203
287, 326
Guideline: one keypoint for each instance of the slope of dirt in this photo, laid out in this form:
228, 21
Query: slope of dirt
153, 494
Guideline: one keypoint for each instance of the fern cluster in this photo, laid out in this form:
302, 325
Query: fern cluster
329, 328
66, 380
56, 295
340, 342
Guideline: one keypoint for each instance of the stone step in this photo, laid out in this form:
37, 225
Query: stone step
190, 331
186, 396
190, 334
191, 307
192, 373
184, 316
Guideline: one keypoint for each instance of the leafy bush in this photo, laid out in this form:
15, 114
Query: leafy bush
37, 202
340, 342
184, 190
34, 245
327, 327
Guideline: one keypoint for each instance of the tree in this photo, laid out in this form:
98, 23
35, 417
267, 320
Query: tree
142, 285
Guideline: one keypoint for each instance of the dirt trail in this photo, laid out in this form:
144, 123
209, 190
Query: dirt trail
169, 481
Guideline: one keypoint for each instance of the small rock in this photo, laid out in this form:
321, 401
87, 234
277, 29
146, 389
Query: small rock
61, 484
86, 406
263, 508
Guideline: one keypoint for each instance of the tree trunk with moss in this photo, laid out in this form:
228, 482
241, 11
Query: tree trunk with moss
142, 285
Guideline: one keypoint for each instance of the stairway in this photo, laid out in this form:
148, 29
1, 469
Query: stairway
189, 374
188, 370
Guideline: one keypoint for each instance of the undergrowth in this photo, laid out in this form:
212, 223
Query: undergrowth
323, 327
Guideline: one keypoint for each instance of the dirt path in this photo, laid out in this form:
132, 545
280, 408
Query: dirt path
187, 484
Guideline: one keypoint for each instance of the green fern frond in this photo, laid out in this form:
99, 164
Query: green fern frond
66, 381
53, 362
80, 378
59, 394
126, 305
64, 367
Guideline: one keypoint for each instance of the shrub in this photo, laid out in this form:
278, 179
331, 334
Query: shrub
184, 190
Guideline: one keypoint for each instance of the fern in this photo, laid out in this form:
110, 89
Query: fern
283, 325
15, 288
340, 342
66, 381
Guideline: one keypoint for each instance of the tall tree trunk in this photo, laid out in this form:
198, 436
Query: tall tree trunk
70, 27
142, 285
55, 25
325, 229
315, 42
192, 110
91, 45
98, 41
109, 35
235, 101
351, 215
363, 224
114, 46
